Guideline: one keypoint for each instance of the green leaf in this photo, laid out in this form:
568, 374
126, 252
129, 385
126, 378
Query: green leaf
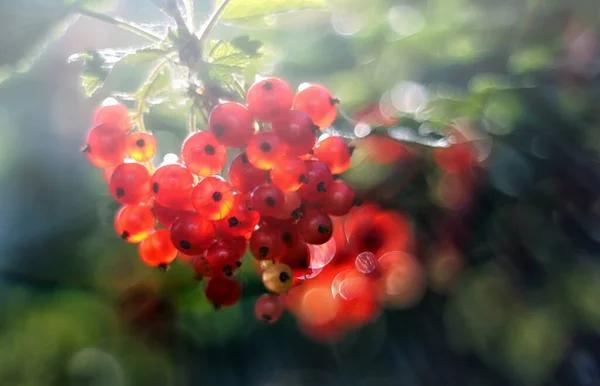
229, 58
244, 9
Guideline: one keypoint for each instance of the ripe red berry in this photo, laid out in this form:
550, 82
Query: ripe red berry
241, 221
221, 291
335, 153
289, 173
224, 256
105, 146
319, 179
264, 150
315, 227
213, 198
157, 249
166, 216
244, 176
192, 234
201, 267
172, 185
269, 308
316, 101
203, 154
339, 199
297, 131
291, 207
140, 146
297, 257
231, 124
266, 243
268, 98
113, 114
134, 223
267, 200
130, 183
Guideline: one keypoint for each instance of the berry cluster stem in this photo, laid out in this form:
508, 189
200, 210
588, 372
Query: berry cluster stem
139, 116
212, 21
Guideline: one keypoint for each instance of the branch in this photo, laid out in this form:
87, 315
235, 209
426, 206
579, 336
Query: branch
127, 26
212, 21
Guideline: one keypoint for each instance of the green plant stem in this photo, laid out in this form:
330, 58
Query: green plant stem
117, 22
192, 120
142, 101
189, 4
212, 21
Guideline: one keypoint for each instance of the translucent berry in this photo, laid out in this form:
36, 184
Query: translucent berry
231, 124
297, 131
268, 98
166, 216
130, 183
203, 154
201, 267
244, 176
319, 179
192, 234
113, 114
291, 207
278, 278
213, 198
221, 291
105, 146
134, 223
172, 185
339, 198
289, 173
266, 243
264, 150
335, 153
315, 227
316, 101
157, 249
269, 308
223, 256
241, 221
140, 146
267, 200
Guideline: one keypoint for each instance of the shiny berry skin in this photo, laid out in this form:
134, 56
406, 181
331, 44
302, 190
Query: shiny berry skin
130, 183
114, 114
213, 198
134, 223
221, 291
105, 146
172, 185
297, 258
140, 146
192, 234
292, 207
201, 267
244, 176
264, 150
203, 155
267, 200
268, 98
166, 216
315, 227
297, 131
241, 221
223, 256
319, 179
339, 199
157, 249
269, 308
316, 101
289, 173
335, 153
266, 243
231, 124
277, 278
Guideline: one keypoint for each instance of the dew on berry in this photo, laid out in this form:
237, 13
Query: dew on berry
268, 98
157, 249
203, 154
231, 124
134, 223
192, 234
140, 146
130, 183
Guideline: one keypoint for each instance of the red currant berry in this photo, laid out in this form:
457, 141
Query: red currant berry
244, 176
113, 114
172, 185
335, 153
134, 223
105, 146
339, 199
315, 227
316, 101
264, 150
266, 243
267, 200
269, 308
231, 124
166, 216
140, 146
291, 207
297, 131
289, 173
130, 183
295, 252
221, 291
201, 267
241, 221
203, 155
157, 249
224, 257
192, 234
213, 198
319, 179
268, 98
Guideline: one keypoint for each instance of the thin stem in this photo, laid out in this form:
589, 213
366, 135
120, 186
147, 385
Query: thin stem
189, 4
127, 26
192, 120
142, 101
212, 21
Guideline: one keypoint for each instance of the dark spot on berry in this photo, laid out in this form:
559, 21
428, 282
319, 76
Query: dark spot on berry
283, 277
209, 149
87, 149
286, 237
266, 318
311, 152
351, 149
321, 187
315, 129
155, 187
185, 244
244, 158
218, 130
357, 202
125, 235
228, 270
238, 264
163, 267
265, 147
140, 143
323, 228
303, 264
267, 86
334, 101
270, 201
263, 251
217, 196
233, 222
120, 192
303, 179
297, 213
